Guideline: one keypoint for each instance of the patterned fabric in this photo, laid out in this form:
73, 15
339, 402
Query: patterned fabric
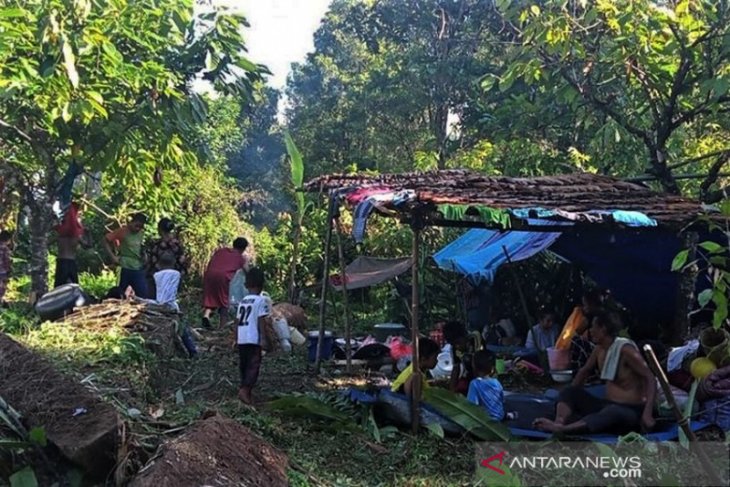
156, 248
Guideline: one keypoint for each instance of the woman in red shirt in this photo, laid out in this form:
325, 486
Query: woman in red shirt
217, 279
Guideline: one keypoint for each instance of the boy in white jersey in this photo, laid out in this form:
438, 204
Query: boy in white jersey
253, 310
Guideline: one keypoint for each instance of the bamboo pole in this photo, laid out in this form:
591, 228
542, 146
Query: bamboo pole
682, 421
325, 285
345, 305
415, 305
519, 288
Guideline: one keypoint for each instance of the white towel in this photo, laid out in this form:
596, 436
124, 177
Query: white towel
610, 364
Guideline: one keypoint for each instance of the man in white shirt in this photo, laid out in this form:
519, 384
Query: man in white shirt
167, 282
253, 310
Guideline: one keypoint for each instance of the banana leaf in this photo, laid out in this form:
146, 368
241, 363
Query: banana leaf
471, 417
309, 407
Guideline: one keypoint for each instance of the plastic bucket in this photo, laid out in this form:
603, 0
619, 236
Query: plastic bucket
385, 330
558, 359
329, 341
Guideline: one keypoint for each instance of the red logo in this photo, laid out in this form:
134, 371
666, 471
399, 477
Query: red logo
488, 462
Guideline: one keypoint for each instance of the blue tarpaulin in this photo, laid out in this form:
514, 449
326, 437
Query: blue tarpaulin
478, 253
635, 266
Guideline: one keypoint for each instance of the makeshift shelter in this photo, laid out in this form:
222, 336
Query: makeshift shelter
460, 198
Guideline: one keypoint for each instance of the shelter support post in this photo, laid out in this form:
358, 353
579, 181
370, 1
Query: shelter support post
682, 421
525, 309
348, 328
415, 312
685, 292
323, 298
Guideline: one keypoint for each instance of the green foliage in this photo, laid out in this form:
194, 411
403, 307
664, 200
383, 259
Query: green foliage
714, 256
24, 478
14, 320
106, 85
628, 76
69, 343
471, 417
98, 285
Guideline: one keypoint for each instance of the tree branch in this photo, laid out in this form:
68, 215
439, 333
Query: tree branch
698, 158
16, 130
713, 174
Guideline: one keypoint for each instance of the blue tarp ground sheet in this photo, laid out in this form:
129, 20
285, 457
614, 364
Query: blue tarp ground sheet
531, 406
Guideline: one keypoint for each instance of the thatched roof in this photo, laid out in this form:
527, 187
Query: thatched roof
575, 193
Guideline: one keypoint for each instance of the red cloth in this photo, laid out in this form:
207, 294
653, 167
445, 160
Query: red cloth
70, 226
217, 278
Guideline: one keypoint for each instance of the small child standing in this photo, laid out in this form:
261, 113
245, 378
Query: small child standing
5, 263
253, 311
484, 390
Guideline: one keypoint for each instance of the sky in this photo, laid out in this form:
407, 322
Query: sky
280, 33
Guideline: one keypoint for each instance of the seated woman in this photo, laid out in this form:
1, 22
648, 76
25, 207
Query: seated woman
575, 332
428, 354
544, 334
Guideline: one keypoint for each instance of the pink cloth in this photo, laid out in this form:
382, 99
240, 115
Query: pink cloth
217, 278
360, 194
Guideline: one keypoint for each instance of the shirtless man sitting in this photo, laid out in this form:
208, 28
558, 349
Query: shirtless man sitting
630, 391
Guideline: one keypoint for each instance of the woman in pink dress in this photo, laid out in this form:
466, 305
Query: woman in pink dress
217, 278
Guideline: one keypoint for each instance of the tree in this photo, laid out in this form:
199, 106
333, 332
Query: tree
656, 71
90, 86
388, 83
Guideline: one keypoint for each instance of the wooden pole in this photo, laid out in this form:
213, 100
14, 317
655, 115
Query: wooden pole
325, 285
348, 331
519, 288
682, 421
415, 311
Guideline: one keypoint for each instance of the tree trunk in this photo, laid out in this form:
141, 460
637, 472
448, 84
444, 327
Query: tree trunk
685, 293
658, 158
41, 218
294, 261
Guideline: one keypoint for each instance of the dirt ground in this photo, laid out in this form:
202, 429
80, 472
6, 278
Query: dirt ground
82, 426
217, 452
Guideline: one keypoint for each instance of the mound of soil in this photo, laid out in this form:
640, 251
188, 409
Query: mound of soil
156, 324
295, 315
84, 428
217, 451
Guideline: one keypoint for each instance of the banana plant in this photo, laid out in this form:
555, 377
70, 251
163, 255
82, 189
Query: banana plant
296, 164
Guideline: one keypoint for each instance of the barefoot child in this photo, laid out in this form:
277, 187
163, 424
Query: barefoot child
485, 390
253, 311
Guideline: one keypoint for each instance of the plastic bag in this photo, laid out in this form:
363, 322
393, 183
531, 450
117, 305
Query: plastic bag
237, 290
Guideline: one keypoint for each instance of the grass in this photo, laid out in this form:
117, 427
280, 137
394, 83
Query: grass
127, 375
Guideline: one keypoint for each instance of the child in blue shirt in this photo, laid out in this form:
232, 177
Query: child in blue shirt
484, 390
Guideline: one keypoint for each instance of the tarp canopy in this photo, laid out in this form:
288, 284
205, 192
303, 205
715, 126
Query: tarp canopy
478, 253
369, 271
